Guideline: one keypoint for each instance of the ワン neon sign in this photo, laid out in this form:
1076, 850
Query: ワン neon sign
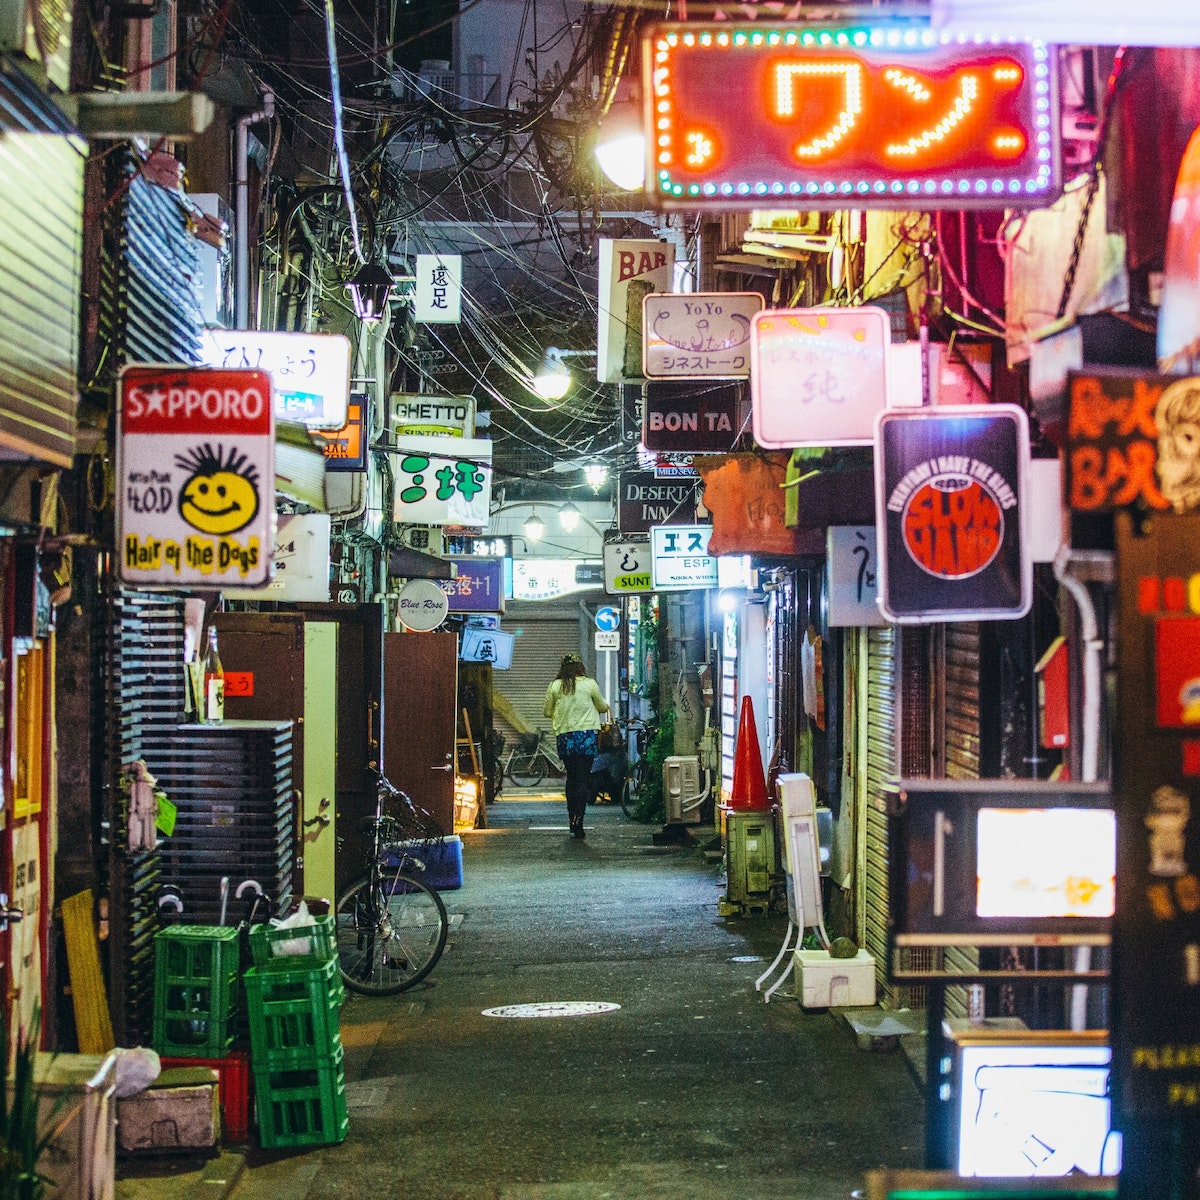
744, 114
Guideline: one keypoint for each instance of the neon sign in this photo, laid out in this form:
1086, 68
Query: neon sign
748, 114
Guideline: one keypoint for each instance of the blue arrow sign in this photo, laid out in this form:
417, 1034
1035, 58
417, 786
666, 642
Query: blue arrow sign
607, 618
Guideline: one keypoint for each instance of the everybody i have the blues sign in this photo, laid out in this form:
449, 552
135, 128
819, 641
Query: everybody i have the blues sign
950, 499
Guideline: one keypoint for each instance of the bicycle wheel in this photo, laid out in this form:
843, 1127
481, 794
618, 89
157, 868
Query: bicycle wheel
527, 770
390, 934
632, 786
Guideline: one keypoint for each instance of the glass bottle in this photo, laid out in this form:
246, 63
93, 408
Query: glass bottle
212, 701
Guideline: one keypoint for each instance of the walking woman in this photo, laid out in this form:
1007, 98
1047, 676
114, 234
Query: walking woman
574, 704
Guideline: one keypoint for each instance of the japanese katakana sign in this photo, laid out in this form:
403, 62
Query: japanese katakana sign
195, 477
310, 372
697, 334
442, 481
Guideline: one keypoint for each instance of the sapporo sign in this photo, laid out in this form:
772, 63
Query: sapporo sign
195, 477
1156, 930
950, 511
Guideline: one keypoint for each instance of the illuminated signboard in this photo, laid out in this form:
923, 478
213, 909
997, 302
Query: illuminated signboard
743, 114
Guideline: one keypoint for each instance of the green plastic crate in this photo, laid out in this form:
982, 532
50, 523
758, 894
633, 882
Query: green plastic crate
267, 943
302, 1107
195, 990
293, 1015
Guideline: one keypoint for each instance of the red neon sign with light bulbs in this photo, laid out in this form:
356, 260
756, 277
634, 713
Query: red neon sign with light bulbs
758, 115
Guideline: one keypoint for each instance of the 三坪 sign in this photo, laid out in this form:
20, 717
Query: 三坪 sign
950, 504
847, 116
820, 375
442, 481
195, 477
697, 334
680, 558
310, 372
627, 567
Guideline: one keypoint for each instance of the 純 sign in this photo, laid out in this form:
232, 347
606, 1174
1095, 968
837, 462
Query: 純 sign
195, 477
627, 567
950, 502
694, 417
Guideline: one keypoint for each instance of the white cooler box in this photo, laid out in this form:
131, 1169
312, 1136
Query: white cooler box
824, 982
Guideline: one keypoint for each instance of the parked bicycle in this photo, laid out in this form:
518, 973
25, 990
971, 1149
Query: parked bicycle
532, 759
391, 925
617, 774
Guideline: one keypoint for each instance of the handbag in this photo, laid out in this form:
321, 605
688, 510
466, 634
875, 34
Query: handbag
609, 737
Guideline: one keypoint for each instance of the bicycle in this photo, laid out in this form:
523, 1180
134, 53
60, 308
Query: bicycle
635, 768
529, 759
391, 925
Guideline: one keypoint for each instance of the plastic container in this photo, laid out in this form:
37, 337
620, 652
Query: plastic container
443, 862
195, 990
303, 1106
293, 1015
824, 982
233, 1090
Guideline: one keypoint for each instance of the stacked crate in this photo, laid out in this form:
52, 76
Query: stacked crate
195, 990
292, 1000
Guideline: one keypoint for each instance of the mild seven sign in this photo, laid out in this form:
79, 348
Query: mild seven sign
950, 510
195, 477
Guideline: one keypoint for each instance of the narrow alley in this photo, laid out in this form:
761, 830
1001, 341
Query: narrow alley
692, 1088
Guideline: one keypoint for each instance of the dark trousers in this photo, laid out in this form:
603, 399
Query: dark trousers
579, 784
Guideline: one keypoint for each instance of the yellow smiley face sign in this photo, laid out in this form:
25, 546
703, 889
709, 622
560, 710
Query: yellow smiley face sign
220, 495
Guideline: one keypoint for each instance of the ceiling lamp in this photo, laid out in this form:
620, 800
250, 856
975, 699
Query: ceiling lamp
534, 527
569, 517
596, 475
620, 140
370, 288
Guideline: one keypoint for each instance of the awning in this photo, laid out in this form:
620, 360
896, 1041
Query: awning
407, 563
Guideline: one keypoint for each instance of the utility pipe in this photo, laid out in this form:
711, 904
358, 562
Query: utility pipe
241, 219
1064, 560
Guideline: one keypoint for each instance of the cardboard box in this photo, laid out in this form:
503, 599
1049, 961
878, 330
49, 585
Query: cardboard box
179, 1111
824, 982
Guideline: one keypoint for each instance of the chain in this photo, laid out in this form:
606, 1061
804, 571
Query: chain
1097, 171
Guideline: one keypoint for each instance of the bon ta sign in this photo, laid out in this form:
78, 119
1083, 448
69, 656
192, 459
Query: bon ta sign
195, 477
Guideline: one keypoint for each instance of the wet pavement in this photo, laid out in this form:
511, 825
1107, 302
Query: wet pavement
691, 1088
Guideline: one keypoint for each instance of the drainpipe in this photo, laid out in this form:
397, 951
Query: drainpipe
1069, 565
241, 220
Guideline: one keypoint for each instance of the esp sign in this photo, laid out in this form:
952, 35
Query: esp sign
195, 477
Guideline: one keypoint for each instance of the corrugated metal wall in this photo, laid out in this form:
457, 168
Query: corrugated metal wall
41, 247
544, 633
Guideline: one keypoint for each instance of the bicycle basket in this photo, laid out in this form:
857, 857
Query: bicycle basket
414, 823
528, 742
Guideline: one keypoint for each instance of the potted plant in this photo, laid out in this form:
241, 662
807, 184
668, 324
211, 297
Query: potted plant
21, 1146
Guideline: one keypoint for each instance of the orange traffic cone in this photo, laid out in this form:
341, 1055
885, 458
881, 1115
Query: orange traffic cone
749, 789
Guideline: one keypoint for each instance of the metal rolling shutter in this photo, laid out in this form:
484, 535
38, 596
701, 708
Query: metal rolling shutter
962, 701
544, 635
41, 247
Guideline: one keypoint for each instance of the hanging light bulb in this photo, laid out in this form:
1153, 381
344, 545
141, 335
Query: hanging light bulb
596, 475
552, 380
534, 527
369, 288
621, 141
569, 517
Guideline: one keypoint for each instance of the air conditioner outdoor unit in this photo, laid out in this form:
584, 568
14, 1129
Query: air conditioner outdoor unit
681, 790
39, 30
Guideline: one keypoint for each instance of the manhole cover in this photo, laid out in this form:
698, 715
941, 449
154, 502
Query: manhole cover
746, 958
553, 1008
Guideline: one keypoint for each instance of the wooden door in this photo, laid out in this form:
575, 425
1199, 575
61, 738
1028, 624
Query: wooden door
420, 696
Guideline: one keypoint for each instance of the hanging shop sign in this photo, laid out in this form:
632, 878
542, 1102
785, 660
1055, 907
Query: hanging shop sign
630, 269
698, 335
627, 567
195, 477
310, 372
819, 375
1178, 325
432, 416
1156, 935
346, 448
852, 566
744, 493
1131, 441
547, 578
299, 564
438, 296
644, 501
679, 558
950, 509
696, 417
480, 545
421, 605
873, 117
442, 481
478, 586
